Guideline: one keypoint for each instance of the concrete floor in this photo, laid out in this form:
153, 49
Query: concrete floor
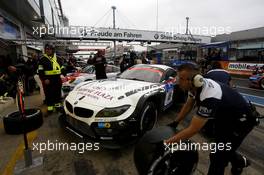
101, 162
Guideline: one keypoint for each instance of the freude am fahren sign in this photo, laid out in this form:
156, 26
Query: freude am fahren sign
121, 34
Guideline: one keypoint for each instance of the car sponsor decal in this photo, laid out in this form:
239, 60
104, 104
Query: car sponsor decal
104, 125
105, 119
204, 111
121, 97
169, 89
93, 93
134, 91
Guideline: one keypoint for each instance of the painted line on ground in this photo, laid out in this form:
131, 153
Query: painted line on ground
18, 154
257, 100
247, 88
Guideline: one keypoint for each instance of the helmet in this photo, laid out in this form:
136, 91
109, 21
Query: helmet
151, 157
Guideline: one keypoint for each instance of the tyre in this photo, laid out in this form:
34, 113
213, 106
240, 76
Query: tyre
149, 116
179, 162
261, 83
13, 123
152, 158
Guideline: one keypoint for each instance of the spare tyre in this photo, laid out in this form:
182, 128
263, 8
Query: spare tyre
15, 124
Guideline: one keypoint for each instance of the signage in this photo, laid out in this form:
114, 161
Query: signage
8, 30
240, 68
129, 35
244, 66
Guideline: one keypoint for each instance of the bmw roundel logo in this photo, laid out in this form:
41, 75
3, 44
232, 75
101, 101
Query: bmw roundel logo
156, 36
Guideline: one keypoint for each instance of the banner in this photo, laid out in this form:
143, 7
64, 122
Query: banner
92, 33
242, 68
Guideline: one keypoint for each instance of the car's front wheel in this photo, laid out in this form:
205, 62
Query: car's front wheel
148, 117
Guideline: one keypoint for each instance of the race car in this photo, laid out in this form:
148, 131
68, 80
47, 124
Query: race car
120, 108
257, 80
87, 74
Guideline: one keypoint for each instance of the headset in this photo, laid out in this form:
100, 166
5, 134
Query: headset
197, 80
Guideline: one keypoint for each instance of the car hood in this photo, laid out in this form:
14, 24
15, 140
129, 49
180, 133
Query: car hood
74, 80
111, 93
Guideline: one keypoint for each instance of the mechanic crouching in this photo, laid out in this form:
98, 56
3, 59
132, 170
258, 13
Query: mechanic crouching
50, 70
234, 118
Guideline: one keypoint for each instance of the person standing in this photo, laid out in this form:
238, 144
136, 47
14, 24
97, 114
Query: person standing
99, 63
50, 70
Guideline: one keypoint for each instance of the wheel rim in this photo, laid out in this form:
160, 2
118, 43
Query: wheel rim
169, 167
149, 118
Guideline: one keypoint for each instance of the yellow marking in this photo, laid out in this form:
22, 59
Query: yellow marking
9, 168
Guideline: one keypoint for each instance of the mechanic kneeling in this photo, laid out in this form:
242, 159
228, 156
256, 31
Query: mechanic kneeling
234, 117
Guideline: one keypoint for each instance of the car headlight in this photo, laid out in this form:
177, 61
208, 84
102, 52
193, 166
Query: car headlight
113, 112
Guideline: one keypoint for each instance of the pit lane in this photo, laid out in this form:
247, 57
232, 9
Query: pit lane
102, 161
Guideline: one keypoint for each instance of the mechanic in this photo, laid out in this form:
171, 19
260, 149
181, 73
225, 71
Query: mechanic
7, 77
217, 73
50, 70
234, 117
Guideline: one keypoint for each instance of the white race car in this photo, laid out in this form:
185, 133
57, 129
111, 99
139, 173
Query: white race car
123, 107
87, 74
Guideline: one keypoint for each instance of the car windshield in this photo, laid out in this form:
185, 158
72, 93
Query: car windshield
109, 69
89, 69
148, 74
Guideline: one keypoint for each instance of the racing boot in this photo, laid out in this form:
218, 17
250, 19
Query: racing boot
50, 109
58, 107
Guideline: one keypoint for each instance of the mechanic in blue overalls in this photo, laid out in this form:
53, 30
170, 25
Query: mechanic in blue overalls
233, 117
217, 73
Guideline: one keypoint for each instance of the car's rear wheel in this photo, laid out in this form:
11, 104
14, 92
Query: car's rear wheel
149, 117
261, 83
